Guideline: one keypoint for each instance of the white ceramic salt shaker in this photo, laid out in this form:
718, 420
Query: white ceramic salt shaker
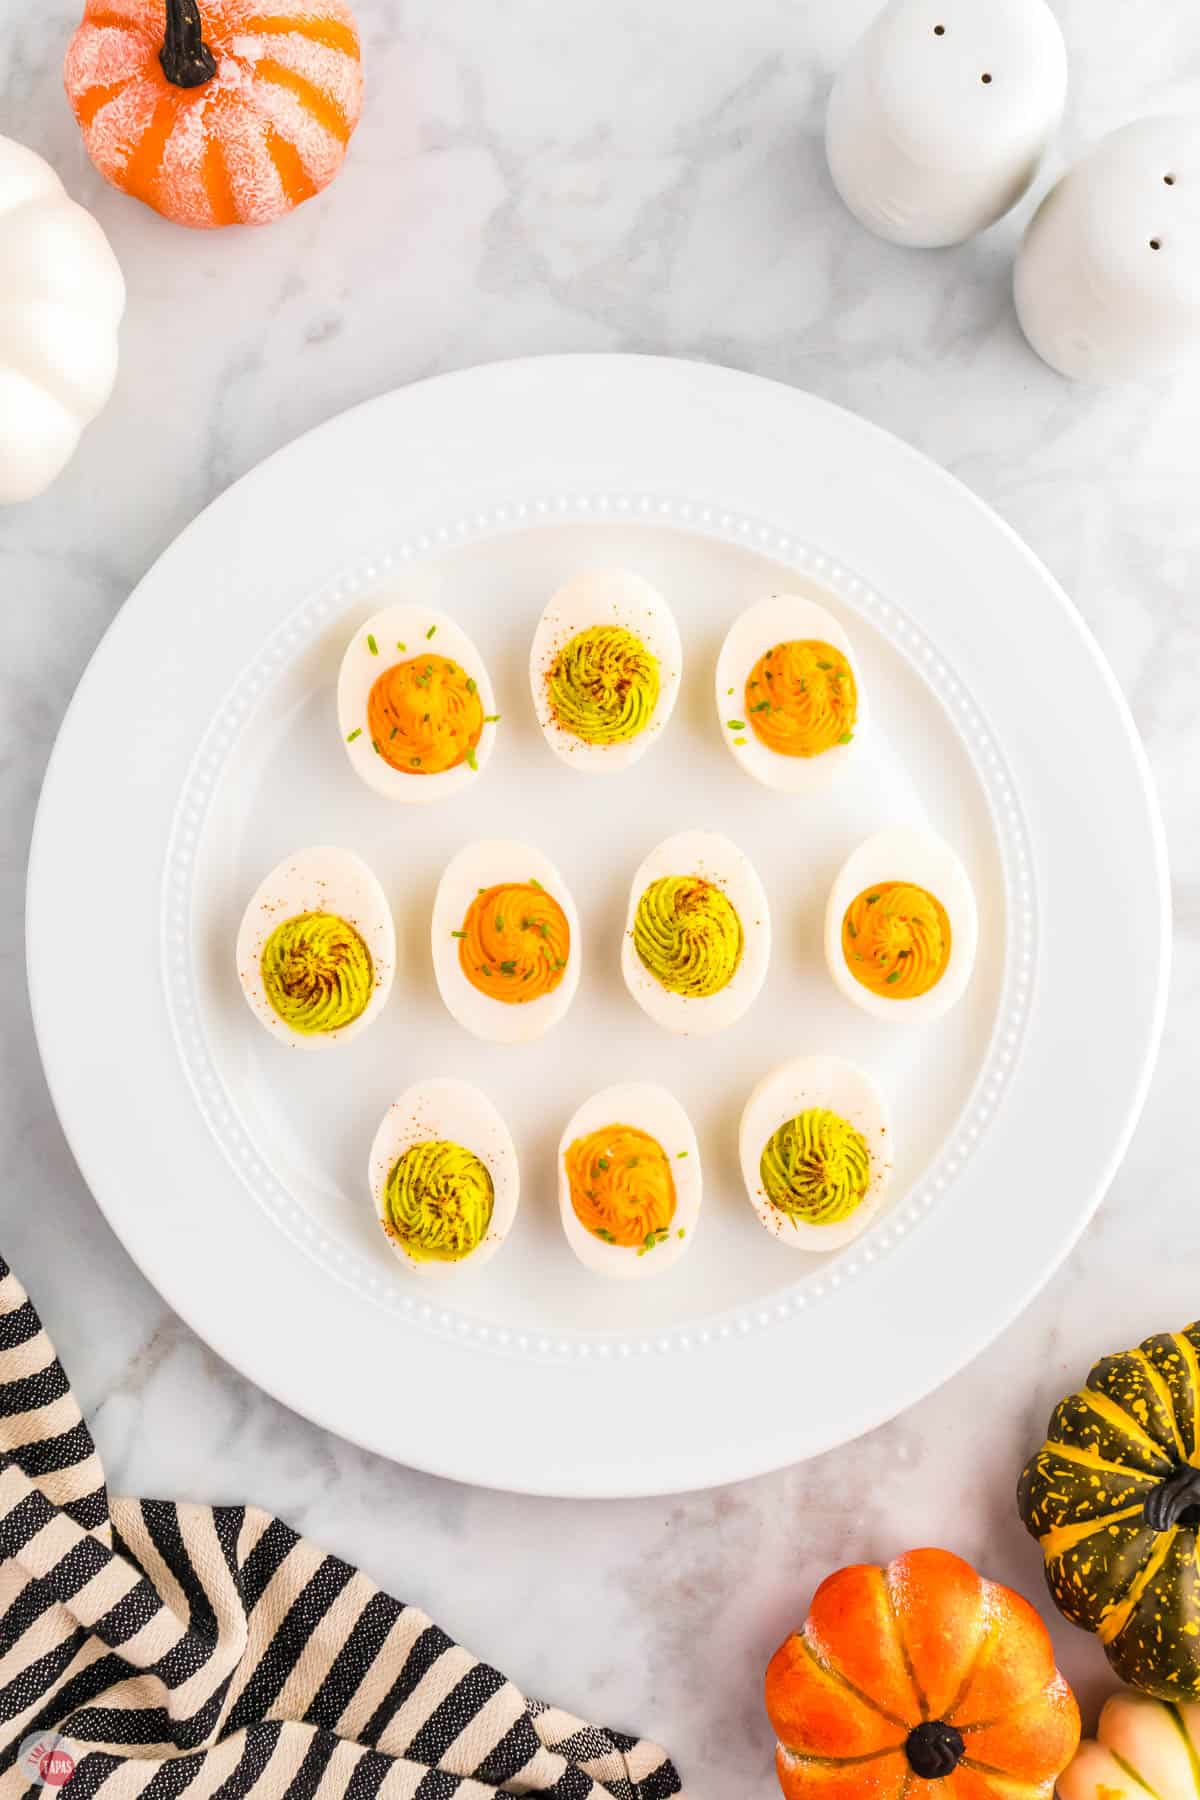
1107, 280
938, 121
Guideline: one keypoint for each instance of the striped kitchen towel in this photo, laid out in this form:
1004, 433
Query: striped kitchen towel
160, 1650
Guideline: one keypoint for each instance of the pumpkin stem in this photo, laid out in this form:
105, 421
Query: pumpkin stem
934, 1750
1175, 1501
186, 59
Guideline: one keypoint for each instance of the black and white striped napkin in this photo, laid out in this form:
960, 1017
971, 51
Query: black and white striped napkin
159, 1650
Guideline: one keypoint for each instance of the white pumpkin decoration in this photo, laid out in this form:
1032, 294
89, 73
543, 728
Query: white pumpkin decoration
61, 300
1142, 1748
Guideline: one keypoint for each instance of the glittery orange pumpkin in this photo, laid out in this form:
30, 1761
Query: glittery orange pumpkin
921, 1681
220, 113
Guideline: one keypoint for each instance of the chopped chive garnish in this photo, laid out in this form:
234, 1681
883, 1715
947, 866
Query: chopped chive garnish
461, 934
472, 760
894, 976
606, 1235
739, 740
499, 923
470, 687
533, 883
559, 963
851, 928
847, 737
424, 718
762, 706
871, 899
508, 968
401, 646
602, 1163
544, 929
431, 631
394, 731
633, 1162
486, 971
681, 1232
354, 734
372, 646
736, 724
491, 718
681, 1153
375, 746
824, 665
729, 690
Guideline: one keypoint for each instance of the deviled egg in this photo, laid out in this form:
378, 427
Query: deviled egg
901, 926
415, 705
316, 950
789, 693
443, 1177
815, 1154
698, 933
629, 1181
506, 941
604, 669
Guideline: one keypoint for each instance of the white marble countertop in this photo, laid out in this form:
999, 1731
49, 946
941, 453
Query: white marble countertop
628, 177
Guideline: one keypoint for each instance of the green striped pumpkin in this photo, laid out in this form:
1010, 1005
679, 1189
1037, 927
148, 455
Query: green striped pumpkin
1113, 1498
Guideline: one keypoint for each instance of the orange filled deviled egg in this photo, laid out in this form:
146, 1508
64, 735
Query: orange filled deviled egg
506, 941
629, 1181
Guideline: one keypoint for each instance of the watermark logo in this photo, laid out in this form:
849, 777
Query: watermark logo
44, 1757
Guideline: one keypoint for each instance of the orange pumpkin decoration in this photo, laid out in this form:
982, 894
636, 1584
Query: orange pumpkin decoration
230, 115
921, 1681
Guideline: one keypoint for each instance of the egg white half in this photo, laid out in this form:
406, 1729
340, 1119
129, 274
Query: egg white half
717, 860
606, 597
322, 879
418, 628
456, 1113
779, 619
838, 1087
648, 1108
915, 854
484, 864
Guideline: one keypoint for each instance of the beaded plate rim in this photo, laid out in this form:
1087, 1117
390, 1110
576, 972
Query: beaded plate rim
295, 634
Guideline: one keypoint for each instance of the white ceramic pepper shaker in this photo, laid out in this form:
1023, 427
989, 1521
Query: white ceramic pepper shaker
1107, 280
938, 121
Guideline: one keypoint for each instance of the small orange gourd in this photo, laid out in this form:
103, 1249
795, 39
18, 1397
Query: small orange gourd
229, 112
921, 1681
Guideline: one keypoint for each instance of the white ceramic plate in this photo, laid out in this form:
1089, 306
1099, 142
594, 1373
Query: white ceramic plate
203, 745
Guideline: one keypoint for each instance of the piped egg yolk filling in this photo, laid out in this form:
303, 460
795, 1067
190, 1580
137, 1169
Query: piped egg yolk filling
514, 942
438, 1201
801, 698
896, 940
816, 1168
687, 933
603, 685
317, 972
425, 716
621, 1185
